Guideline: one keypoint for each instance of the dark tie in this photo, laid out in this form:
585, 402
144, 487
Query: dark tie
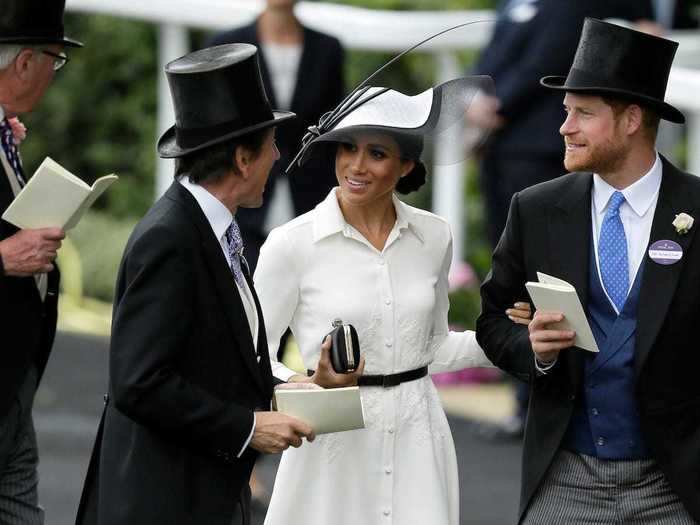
234, 241
7, 140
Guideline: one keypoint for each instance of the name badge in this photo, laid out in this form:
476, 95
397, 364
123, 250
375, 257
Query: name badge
665, 252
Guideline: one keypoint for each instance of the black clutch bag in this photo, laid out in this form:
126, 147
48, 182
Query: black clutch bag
345, 347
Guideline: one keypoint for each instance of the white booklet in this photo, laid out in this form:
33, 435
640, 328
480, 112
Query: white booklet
555, 295
54, 197
327, 410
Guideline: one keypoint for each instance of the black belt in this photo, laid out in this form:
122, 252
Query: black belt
389, 380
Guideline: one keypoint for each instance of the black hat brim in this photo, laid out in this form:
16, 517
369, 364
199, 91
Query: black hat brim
169, 149
31, 41
665, 110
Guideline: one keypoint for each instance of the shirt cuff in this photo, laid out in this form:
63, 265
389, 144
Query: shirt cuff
247, 441
543, 368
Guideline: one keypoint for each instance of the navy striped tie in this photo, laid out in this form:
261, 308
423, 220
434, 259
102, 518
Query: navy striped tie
7, 140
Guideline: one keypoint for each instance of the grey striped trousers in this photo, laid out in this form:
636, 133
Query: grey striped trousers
583, 490
18, 470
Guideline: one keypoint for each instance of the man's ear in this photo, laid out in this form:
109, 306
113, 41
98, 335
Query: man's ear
23, 64
242, 158
634, 118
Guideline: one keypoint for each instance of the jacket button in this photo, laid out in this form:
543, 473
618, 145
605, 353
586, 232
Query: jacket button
572, 397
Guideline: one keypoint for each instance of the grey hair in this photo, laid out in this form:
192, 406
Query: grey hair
8, 52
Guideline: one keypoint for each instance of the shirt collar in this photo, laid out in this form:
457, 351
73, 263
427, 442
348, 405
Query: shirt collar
329, 218
218, 215
639, 195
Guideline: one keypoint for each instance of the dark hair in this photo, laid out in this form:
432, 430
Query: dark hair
212, 163
411, 148
414, 180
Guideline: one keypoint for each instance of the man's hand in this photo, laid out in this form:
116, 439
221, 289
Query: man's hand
275, 432
327, 377
483, 112
546, 342
28, 252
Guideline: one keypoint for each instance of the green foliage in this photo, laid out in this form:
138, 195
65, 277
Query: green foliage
99, 116
100, 240
465, 307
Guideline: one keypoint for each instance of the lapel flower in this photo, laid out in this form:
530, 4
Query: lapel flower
683, 222
19, 130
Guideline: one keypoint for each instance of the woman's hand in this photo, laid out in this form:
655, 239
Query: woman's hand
327, 377
520, 313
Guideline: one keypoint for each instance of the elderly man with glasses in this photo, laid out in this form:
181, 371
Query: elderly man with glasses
31, 51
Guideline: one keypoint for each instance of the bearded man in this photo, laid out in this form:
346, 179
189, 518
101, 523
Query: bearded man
613, 436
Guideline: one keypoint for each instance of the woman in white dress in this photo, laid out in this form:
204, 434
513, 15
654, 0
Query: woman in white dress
364, 256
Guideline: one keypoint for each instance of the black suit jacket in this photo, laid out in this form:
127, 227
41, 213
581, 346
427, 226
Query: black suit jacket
521, 52
27, 324
319, 89
184, 379
549, 230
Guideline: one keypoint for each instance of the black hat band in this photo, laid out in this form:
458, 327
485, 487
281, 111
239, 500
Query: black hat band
187, 138
580, 79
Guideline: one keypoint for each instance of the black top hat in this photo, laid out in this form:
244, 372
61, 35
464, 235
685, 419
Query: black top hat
621, 62
33, 22
218, 95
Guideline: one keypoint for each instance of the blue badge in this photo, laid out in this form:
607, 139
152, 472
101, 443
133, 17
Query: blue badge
665, 252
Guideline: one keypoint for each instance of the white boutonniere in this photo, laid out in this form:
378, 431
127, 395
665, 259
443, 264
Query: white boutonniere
683, 222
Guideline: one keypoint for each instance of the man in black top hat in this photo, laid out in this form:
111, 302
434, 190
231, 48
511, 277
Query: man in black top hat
612, 436
190, 382
31, 50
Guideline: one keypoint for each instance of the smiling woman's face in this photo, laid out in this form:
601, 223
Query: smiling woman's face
368, 166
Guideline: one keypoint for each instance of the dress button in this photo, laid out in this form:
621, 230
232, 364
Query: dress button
381, 262
390, 430
601, 441
388, 344
387, 512
572, 397
595, 412
387, 302
387, 470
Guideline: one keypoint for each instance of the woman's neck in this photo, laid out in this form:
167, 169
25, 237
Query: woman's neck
280, 26
374, 220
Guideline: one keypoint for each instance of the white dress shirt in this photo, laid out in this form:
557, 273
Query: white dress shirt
220, 218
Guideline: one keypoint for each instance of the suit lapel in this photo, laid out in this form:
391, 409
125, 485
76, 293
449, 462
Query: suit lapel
569, 249
307, 64
264, 364
659, 282
250, 33
224, 284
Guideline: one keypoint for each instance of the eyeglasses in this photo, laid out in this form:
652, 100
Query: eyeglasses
59, 60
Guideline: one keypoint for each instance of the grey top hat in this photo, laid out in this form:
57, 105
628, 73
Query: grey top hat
623, 63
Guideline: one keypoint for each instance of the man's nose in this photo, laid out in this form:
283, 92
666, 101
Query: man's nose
569, 125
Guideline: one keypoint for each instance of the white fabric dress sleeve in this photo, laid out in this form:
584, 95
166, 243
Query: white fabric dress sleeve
452, 350
277, 285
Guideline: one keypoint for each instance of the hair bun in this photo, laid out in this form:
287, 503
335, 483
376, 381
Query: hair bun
414, 180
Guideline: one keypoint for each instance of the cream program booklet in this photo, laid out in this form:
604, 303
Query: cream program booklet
555, 295
54, 197
327, 410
